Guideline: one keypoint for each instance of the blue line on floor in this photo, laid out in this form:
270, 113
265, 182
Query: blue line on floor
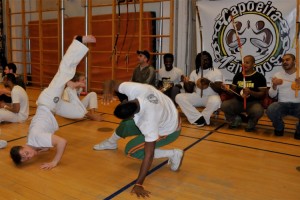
159, 166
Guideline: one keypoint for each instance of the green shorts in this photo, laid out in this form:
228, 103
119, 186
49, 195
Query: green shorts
135, 147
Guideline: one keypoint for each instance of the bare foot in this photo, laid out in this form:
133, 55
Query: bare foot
95, 117
88, 39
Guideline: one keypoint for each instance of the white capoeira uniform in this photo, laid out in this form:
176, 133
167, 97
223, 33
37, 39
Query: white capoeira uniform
44, 124
210, 99
18, 95
74, 108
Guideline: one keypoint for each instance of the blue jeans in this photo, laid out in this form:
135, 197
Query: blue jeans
277, 110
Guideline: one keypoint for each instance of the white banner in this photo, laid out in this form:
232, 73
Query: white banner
266, 30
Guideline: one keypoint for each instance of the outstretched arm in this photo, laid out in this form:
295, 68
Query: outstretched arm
138, 188
60, 144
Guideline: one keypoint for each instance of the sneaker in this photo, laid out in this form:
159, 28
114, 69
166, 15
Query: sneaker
278, 133
106, 144
236, 122
3, 144
176, 160
251, 125
200, 122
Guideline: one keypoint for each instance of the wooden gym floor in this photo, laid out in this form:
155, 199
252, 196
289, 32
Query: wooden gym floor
219, 163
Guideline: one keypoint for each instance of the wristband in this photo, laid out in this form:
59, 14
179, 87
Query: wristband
79, 38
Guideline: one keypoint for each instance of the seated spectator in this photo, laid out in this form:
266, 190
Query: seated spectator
73, 107
12, 68
4, 92
254, 91
210, 84
288, 102
18, 110
169, 77
144, 72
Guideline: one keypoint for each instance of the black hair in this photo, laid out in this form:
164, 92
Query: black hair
189, 86
11, 77
168, 55
125, 110
15, 154
12, 66
198, 60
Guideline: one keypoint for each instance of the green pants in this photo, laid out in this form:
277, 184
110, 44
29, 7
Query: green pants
135, 147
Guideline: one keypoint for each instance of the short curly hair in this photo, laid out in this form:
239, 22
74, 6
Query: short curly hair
125, 110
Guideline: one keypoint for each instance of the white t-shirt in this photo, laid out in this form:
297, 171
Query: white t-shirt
285, 92
42, 126
212, 75
158, 115
174, 75
19, 95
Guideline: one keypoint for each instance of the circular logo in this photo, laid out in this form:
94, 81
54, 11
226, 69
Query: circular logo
55, 99
252, 28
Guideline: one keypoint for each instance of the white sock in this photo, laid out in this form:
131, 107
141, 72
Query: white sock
159, 153
114, 138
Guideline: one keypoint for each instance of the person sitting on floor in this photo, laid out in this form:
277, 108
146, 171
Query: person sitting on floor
5, 93
18, 109
73, 107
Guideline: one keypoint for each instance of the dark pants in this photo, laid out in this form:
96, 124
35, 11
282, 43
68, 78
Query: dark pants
234, 107
5, 98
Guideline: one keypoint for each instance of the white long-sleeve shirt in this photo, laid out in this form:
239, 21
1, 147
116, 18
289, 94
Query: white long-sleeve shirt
284, 91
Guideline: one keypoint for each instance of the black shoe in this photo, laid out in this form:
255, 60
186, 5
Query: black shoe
236, 122
251, 125
249, 129
297, 135
278, 133
200, 122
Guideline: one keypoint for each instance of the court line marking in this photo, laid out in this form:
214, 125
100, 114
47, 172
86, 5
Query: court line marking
160, 165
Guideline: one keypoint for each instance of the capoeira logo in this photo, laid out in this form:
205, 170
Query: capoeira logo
152, 98
55, 99
262, 31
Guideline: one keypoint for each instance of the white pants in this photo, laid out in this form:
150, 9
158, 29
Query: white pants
189, 101
8, 116
71, 107
67, 68
90, 101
